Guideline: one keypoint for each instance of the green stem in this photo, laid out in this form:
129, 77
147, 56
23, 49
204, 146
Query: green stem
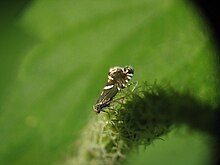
138, 118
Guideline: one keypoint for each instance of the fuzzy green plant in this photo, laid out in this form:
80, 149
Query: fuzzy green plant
138, 116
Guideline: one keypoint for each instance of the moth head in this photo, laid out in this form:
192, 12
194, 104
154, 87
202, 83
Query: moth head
129, 70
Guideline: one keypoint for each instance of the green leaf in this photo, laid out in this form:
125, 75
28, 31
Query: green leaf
52, 92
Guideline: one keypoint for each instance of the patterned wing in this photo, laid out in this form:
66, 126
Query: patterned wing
117, 79
107, 94
105, 98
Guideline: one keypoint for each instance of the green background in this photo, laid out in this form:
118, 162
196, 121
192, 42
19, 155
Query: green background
55, 56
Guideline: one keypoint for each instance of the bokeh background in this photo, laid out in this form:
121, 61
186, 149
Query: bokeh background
54, 58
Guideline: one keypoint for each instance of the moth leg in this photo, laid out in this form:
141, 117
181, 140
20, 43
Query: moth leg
117, 100
135, 85
126, 94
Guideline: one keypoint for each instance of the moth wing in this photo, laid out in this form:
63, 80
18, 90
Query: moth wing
107, 94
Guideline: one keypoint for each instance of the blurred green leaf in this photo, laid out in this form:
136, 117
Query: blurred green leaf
58, 80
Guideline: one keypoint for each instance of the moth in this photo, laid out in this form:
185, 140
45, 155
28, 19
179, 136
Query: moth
118, 77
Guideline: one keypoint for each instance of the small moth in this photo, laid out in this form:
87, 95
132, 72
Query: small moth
117, 80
